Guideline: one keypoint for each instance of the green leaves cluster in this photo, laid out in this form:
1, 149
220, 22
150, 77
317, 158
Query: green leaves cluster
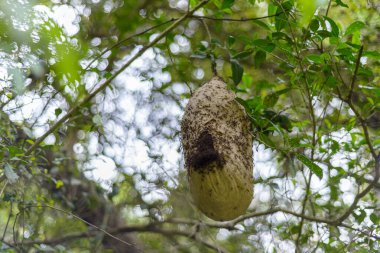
319, 73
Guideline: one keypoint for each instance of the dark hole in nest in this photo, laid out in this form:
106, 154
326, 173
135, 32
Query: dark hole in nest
205, 152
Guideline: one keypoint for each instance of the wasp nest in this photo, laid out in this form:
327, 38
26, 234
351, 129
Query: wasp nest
217, 147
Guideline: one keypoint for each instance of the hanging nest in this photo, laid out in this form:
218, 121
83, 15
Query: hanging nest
217, 147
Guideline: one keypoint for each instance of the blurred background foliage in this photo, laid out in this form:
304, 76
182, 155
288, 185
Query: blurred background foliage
110, 176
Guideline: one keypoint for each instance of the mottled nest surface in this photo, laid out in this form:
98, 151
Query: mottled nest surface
217, 147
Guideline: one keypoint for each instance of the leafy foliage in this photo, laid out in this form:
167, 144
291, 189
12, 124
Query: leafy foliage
90, 88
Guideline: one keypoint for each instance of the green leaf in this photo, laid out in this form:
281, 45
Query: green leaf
354, 27
243, 54
259, 58
307, 9
334, 40
356, 46
310, 164
246, 82
334, 146
271, 100
227, 4
367, 72
58, 184
294, 142
334, 192
334, 27
255, 104
193, 3
314, 25
374, 218
272, 9
10, 174
252, 2
57, 112
108, 75
31, 142
286, 6
230, 40
315, 58
294, 229
360, 217
237, 71
346, 53
372, 54
262, 24
216, 43
264, 139
283, 36
331, 81
324, 34
264, 44
242, 102
340, 3
280, 22
14, 151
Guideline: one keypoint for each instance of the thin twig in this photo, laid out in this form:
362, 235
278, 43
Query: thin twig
126, 39
212, 57
328, 8
80, 219
235, 19
5, 103
7, 224
5, 185
355, 73
45, 107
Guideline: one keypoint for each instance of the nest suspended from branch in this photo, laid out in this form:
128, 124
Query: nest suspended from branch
217, 147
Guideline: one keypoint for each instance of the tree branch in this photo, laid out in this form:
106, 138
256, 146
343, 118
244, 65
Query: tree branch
231, 224
126, 39
328, 8
355, 73
78, 218
148, 228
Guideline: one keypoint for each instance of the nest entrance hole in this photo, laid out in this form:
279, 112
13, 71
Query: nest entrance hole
205, 153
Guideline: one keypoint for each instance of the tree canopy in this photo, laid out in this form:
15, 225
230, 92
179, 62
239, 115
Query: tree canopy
92, 93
